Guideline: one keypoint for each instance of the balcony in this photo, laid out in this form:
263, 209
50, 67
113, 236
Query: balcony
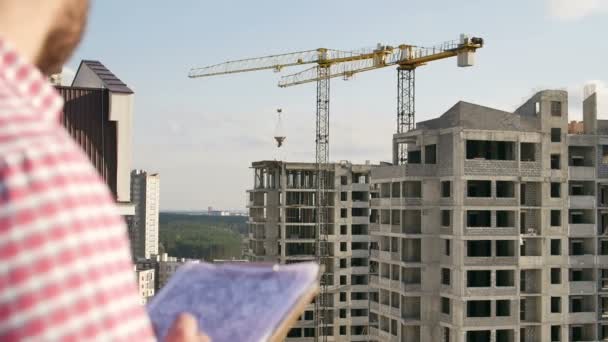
531, 261
490, 321
374, 306
384, 255
395, 285
384, 336
582, 317
359, 304
384, 308
581, 229
602, 260
395, 312
582, 287
582, 202
581, 260
490, 231
360, 220
360, 253
581, 172
490, 167
490, 291
485, 261
360, 269
360, 238
530, 169
360, 187
359, 320
384, 281
374, 253
410, 287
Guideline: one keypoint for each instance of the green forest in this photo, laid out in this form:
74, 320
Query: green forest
200, 236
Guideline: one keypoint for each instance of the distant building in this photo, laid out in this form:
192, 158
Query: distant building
211, 212
229, 261
167, 266
143, 226
576, 127
145, 283
98, 114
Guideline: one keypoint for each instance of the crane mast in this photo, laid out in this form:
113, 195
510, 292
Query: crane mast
406, 97
331, 63
323, 175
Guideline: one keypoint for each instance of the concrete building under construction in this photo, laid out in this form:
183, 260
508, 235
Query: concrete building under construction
495, 229
282, 229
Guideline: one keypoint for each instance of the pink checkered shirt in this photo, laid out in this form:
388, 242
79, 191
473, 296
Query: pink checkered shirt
65, 265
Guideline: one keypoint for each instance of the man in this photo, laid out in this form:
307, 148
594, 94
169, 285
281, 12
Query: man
65, 267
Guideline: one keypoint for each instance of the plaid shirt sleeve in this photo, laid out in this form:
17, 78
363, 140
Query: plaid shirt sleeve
65, 265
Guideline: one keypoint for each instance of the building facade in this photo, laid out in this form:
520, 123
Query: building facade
145, 283
98, 114
167, 266
495, 228
143, 226
282, 229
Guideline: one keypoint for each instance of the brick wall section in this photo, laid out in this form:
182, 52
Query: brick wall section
420, 169
532, 220
446, 154
532, 194
491, 167
532, 169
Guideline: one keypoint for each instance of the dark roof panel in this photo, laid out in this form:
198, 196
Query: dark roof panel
110, 81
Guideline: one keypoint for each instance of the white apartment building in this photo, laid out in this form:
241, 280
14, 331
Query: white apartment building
145, 284
143, 226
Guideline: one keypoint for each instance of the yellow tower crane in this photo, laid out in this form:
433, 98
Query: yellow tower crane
407, 58
333, 63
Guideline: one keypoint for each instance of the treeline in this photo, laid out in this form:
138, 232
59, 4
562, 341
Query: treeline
200, 237
237, 224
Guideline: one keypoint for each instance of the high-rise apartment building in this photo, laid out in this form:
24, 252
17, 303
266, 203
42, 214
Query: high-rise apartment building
282, 229
495, 229
143, 226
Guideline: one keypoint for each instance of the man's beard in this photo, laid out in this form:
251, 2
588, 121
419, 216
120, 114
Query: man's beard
63, 37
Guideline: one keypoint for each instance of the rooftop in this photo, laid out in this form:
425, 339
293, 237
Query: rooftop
107, 78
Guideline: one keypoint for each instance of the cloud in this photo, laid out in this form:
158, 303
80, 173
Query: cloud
174, 127
572, 10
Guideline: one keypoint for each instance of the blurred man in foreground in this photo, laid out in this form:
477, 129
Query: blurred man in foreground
65, 267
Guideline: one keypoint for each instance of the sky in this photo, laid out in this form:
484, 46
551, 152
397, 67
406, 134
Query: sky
202, 134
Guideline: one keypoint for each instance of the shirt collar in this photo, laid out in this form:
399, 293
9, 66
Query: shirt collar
23, 82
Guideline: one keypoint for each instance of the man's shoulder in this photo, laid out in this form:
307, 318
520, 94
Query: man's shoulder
34, 143
41, 154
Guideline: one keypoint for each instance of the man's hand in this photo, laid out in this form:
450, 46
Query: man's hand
185, 329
